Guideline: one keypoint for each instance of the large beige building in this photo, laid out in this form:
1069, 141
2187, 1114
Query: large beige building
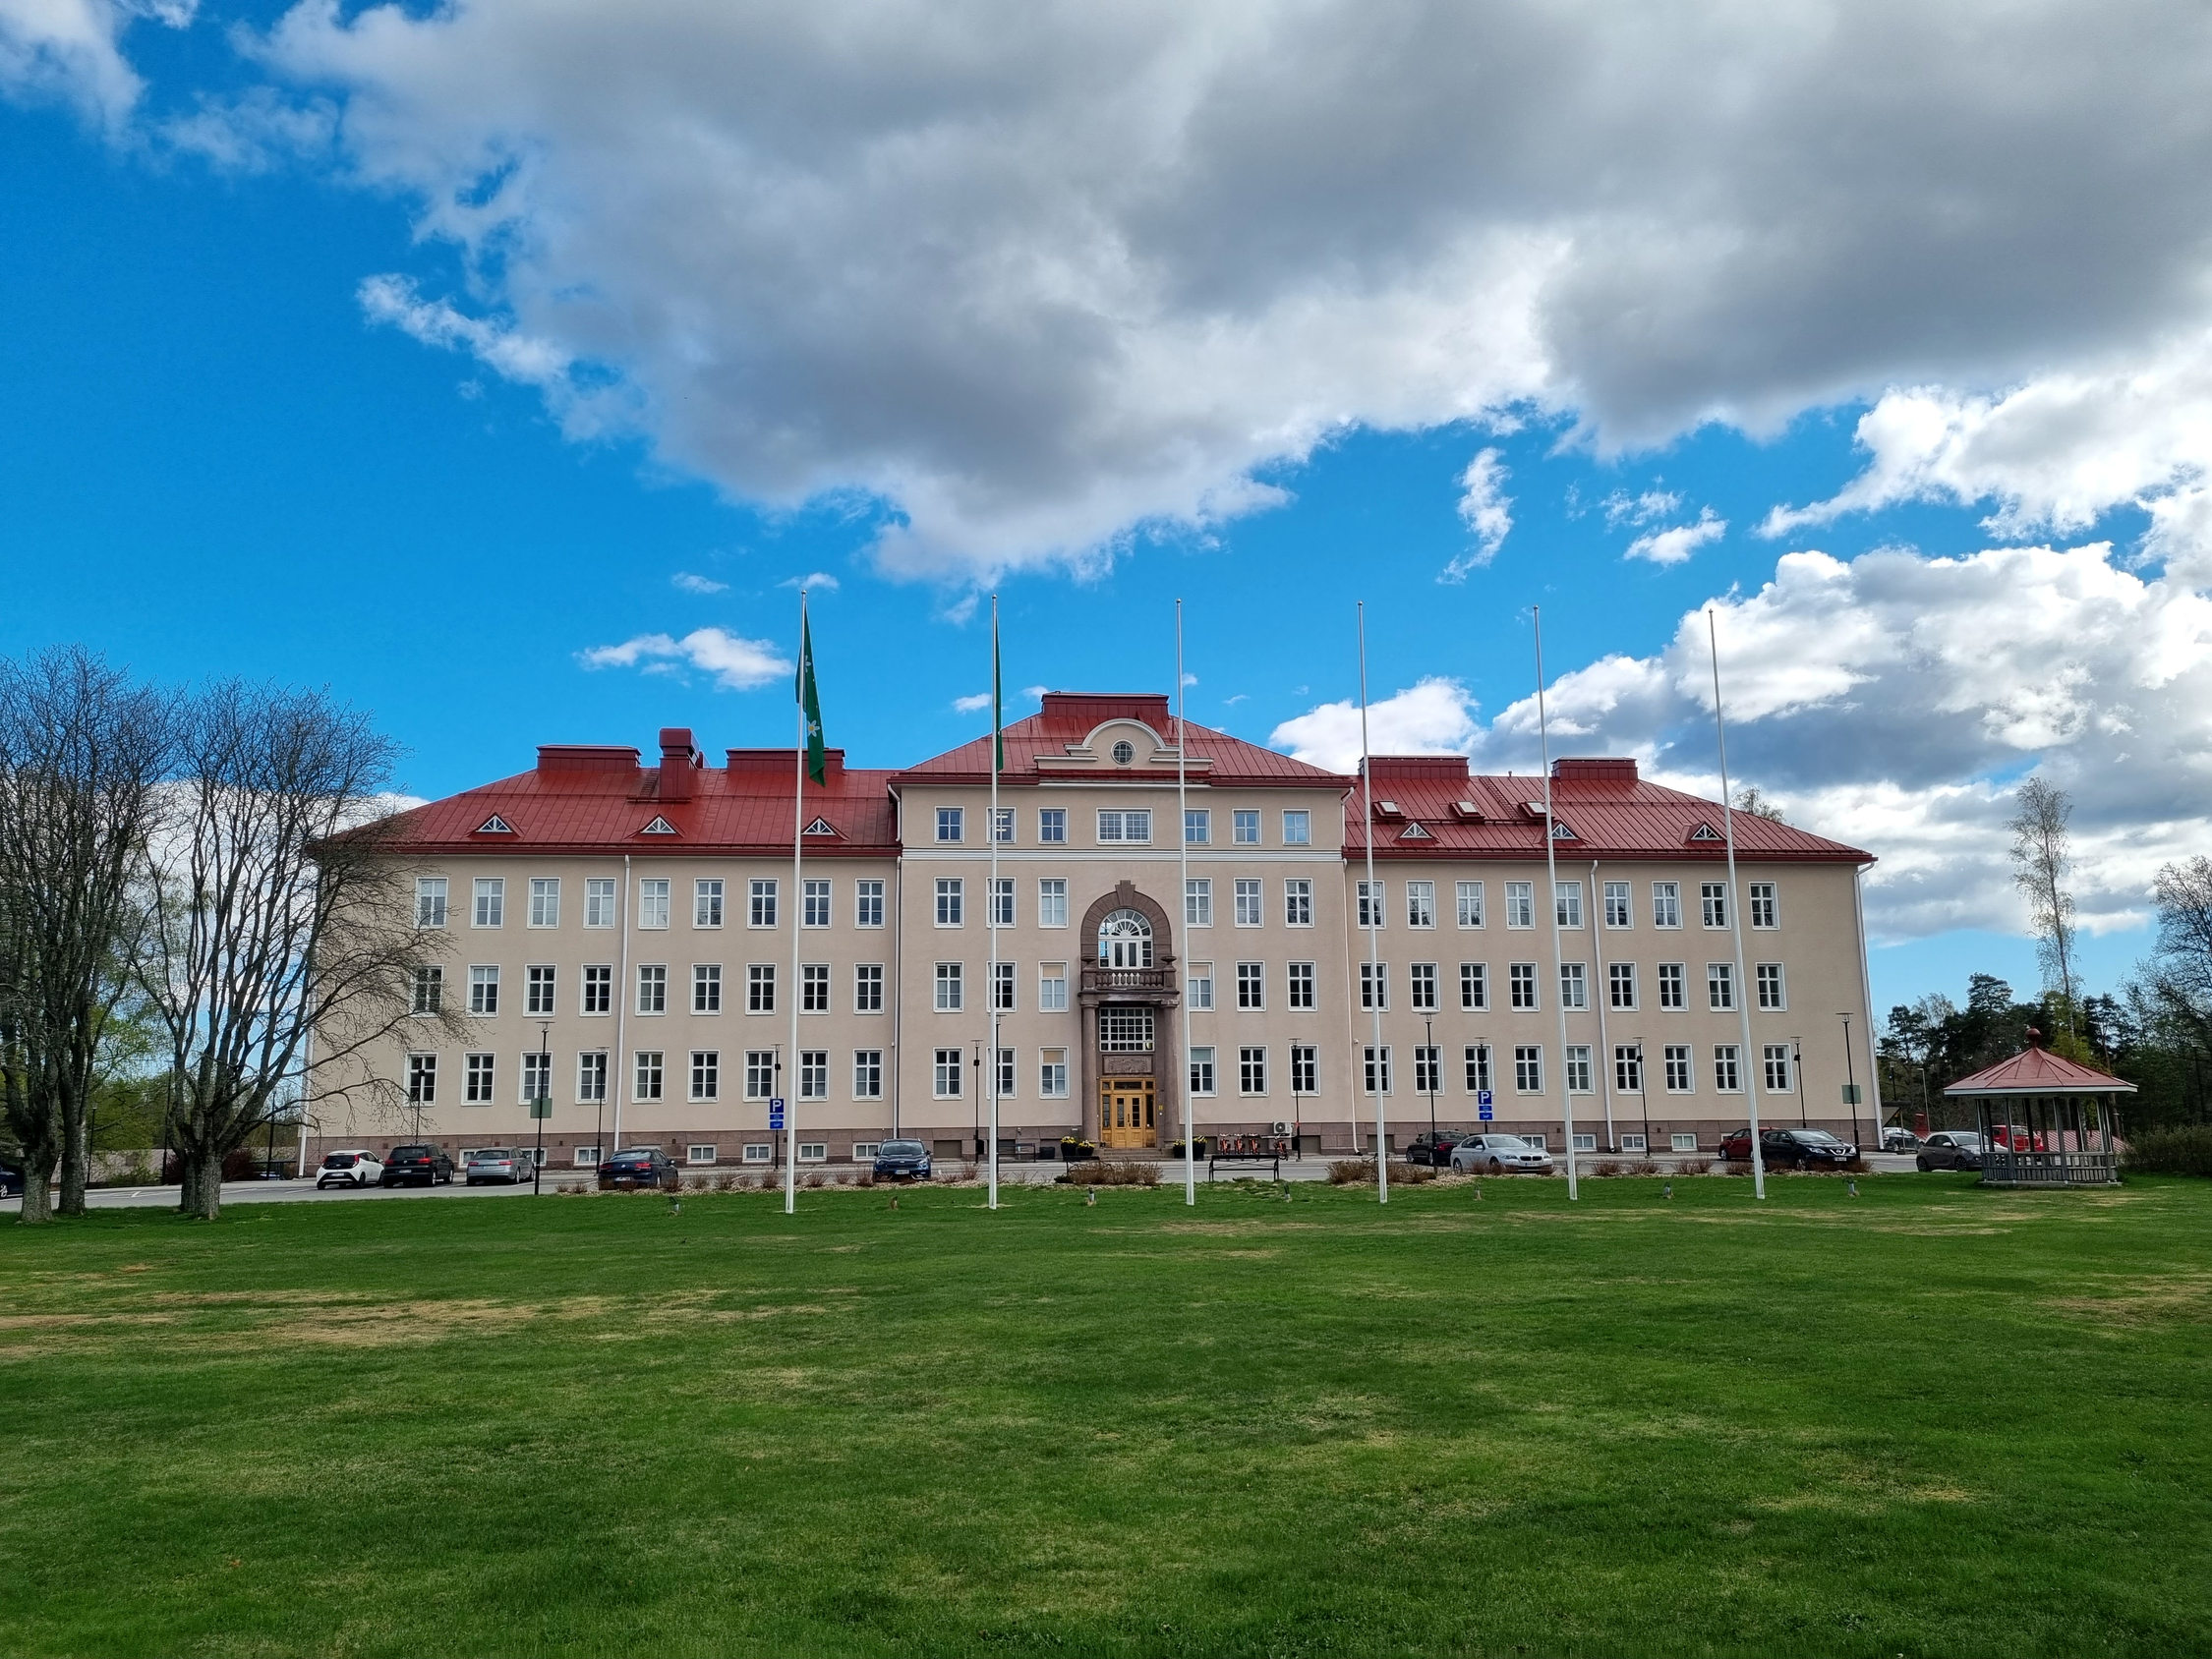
630, 928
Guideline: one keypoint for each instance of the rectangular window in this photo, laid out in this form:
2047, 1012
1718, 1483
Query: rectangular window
1678, 1062
700, 1152
545, 901
1478, 1061
1721, 986
1002, 998
1520, 990
867, 904
430, 902
1374, 984
537, 990
759, 901
1198, 985
598, 988
1002, 827
1124, 1030
429, 991
1578, 1069
422, 1080
706, 902
1764, 911
1052, 826
1197, 902
599, 902
1474, 986
1298, 829
756, 1152
948, 988
1305, 1069
814, 987
1428, 1071
1724, 1069
591, 1077
1770, 986
1052, 988
1520, 904
1052, 1073
478, 1079
1777, 1068
1002, 900
1052, 902
1006, 1073
1620, 984
1585, 1143
1201, 1070
1667, 905
1670, 986
652, 989
490, 901
1628, 1068
814, 1075
1251, 1067
646, 1075
1617, 907
1376, 1068
952, 898
653, 902
1632, 1143
1566, 901
706, 1074
760, 988
1469, 899
1713, 902
1528, 1068
944, 1078
1116, 826
1683, 1143
1198, 826
867, 987
1370, 899
759, 1073
706, 988
814, 903
868, 1077
1421, 904
1574, 986
1299, 978
950, 824
1252, 985
484, 990
1248, 901
1421, 979
1247, 826
1298, 902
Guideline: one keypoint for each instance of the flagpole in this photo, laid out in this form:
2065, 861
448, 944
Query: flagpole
1182, 845
997, 760
799, 906
1551, 866
1735, 925
1374, 943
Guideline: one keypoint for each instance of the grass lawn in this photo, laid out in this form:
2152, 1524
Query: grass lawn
1930, 1420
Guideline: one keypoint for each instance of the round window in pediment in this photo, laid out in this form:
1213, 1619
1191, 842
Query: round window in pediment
1124, 752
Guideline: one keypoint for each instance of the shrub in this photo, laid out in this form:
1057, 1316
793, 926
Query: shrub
1644, 1167
866, 1177
1690, 1167
812, 1179
1606, 1167
1112, 1175
1411, 1175
1858, 1165
1347, 1171
2185, 1150
1735, 1167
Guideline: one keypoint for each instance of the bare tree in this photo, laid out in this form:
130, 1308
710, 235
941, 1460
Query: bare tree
1750, 799
2179, 976
276, 914
2041, 859
81, 754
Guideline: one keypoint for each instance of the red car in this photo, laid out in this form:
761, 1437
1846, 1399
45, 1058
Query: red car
1737, 1145
2015, 1137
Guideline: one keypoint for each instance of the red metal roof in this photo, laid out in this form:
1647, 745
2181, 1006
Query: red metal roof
2039, 1072
1071, 716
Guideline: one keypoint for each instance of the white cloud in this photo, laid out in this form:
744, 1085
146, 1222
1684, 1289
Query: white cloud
1434, 717
820, 580
254, 131
1640, 509
71, 51
1676, 544
973, 704
1034, 693
738, 665
686, 582
1486, 511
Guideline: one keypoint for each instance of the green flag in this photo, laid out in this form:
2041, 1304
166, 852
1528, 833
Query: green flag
998, 701
817, 766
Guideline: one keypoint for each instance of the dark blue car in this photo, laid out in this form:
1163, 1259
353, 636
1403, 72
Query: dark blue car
902, 1161
10, 1182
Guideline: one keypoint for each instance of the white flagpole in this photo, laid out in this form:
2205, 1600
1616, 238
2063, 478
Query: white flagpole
1735, 923
994, 902
1374, 944
1552, 867
791, 1077
1182, 845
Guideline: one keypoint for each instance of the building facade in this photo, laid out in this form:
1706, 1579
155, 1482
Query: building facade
621, 937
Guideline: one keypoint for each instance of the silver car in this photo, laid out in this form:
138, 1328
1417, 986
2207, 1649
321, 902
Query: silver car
1500, 1155
496, 1163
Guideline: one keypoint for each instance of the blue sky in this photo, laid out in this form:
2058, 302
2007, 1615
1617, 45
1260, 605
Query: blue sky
223, 459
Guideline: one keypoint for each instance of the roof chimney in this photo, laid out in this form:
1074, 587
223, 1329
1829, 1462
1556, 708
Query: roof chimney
678, 759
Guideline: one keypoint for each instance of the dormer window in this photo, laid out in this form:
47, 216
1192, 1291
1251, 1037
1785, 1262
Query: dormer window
659, 826
495, 825
1705, 833
1560, 831
1414, 832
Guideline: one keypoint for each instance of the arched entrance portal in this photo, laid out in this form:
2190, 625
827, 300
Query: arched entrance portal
1125, 941
1128, 1001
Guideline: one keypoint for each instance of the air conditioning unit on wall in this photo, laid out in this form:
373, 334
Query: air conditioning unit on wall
1278, 1127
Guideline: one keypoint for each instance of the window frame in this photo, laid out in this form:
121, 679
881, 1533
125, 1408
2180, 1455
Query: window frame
544, 902
708, 895
488, 898
653, 903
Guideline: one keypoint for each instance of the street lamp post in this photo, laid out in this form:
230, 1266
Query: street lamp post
1797, 1065
1850, 1076
540, 1107
1429, 1056
1644, 1098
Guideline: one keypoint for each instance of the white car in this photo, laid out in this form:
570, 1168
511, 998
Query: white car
357, 1167
1500, 1155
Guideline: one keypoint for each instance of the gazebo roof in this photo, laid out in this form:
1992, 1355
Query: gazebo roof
2039, 1072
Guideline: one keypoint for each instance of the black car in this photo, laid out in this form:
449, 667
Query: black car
10, 1182
1434, 1150
1950, 1149
902, 1161
417, 1166
1804, 1149
635, 1166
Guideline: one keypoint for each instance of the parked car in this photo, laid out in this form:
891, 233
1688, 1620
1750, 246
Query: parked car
1500, 1155
496, 1163
417, 1165
1804, 1149
1434, 1149
633, 1166
1735, 1145
902, 1161
2019, 1137
10, 1182
1900, 1140
1951, 1149
357, 1167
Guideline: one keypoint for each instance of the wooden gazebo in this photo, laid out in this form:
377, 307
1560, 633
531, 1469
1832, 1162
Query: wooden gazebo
2044, 1121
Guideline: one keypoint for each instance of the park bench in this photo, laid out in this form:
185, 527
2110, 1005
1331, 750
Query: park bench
1248, 1151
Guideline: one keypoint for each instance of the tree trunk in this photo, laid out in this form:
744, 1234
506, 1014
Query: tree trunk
202, 1193
75, 1165
38, 1196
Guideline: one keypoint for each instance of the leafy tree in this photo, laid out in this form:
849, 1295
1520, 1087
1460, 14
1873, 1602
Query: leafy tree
2041, 859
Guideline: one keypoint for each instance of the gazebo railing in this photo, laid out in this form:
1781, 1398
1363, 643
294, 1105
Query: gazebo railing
2005, 1167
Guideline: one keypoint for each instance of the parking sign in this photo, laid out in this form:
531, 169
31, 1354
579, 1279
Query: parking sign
776, 1113
1483, 1105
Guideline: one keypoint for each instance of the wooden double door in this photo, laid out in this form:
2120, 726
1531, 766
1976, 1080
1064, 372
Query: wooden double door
1127, 1110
